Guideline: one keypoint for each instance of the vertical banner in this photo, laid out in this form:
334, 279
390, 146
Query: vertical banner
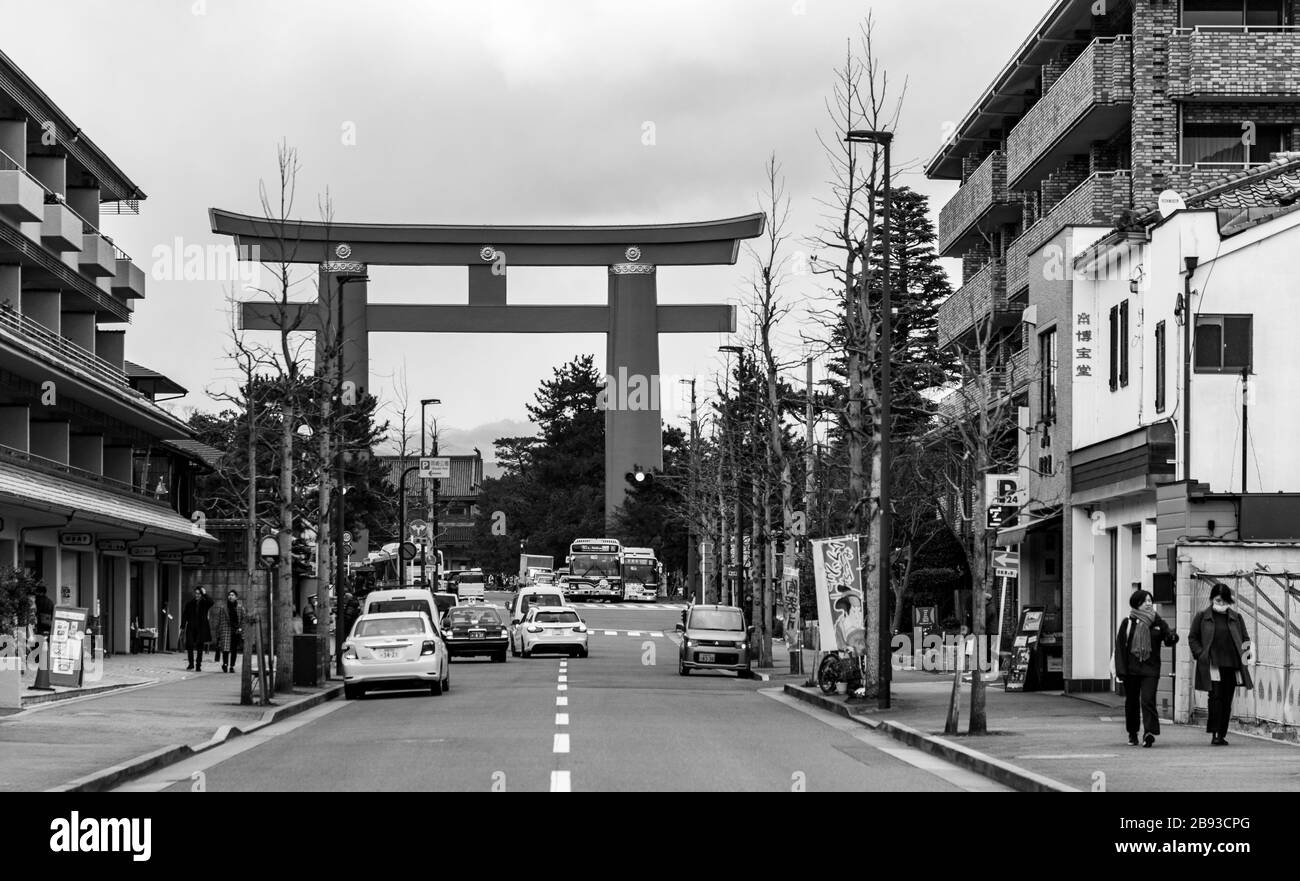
66, 634
837, 573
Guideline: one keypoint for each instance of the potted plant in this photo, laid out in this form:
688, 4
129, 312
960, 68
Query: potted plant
16, 591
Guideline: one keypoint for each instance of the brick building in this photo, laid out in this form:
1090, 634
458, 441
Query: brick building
1094, 117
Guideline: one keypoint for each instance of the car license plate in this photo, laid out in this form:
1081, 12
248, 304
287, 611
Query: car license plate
386, 654
477, 634
706, 658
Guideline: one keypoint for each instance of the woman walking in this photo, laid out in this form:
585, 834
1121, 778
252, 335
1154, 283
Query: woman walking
1221, 646
230, 627
1137, 663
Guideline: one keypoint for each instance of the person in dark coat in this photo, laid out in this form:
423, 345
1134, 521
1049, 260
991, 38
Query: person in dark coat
1137, 664
230, 624
351, 612
194, 624
309, 616
1221, 645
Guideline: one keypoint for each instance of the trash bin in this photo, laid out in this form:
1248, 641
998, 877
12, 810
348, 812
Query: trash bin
304, 660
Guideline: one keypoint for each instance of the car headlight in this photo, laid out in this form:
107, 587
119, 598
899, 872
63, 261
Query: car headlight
689, 643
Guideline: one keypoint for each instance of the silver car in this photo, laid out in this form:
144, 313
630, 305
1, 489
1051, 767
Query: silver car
395, 648
714, 638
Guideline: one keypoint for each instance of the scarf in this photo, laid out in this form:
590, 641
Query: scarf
1140, 621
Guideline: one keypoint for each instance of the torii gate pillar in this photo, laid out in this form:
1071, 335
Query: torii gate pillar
346, 279
633, 422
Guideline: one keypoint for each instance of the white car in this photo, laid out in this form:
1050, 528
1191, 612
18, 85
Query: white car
553, 629
395, 649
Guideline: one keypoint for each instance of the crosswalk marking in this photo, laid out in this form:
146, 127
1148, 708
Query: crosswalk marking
611, 633
655, 634
640, 607
562, 678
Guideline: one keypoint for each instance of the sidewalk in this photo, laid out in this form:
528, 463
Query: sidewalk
1081, 743
112, 673
50, 744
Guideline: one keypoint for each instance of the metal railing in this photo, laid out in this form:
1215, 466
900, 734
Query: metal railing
8, 163
1238, 29
66, 352
80, 475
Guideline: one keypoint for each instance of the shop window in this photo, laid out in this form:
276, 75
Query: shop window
1222, 343
1123, 344
1047, 376
1114, 347
1160, 367
1233, 13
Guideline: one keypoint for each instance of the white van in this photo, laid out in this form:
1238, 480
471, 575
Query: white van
411, 599
525, 599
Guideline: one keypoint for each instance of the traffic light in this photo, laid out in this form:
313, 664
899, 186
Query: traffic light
639, 476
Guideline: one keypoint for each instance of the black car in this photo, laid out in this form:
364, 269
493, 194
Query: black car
476, 630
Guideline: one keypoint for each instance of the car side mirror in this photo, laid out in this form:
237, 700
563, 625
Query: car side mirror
680, 627
515, 620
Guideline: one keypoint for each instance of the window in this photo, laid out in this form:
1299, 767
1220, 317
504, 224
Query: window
1123, 344
1233, 13
1222, 343
1047, 376
1160, 367
1225, 143
1114, 348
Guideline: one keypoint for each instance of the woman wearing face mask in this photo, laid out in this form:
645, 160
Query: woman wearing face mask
1221, 646
1137, 663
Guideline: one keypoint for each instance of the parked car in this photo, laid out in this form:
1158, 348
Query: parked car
402, 649
476, 630
714, 638
553, 629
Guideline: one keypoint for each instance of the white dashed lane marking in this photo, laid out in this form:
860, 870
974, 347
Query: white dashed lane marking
561, 718
561, 743
561, 701
560, 781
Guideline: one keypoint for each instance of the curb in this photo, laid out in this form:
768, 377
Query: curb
116, 775
35, 700
997, 770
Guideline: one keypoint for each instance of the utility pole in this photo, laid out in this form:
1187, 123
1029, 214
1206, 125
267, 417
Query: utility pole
731, 588
433, 538
693, 552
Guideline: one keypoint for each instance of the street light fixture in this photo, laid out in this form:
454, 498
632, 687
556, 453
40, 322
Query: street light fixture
883, 139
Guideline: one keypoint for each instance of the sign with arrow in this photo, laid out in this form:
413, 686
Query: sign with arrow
1006, 563
435, 467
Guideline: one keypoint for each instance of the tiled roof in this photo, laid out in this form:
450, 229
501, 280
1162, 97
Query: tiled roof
161, 383
466, 476
1276, 183
44, 492
198, 451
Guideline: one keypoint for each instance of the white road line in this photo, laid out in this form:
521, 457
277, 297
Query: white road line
657, 635
957, 776
611, 633
561, 701
561, 687
560, 781
561, 718
562, 678
561, 743
634, 633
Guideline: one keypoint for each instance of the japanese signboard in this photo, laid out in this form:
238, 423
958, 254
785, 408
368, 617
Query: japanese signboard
66, 634
1000, 492
1083, 341
435, 467
837, 574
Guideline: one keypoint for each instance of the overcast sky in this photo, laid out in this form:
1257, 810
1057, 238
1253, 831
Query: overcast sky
480, 112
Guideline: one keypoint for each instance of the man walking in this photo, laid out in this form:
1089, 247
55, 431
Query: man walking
198, 633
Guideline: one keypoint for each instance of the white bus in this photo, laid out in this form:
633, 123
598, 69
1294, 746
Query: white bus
642, 574
595, 570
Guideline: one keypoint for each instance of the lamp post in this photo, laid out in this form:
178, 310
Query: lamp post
692, 556
269, 551
433, 535
883, 139
732, 587
340, 560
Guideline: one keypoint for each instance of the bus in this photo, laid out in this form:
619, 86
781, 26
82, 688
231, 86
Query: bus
642, 574
387, 574
594, 569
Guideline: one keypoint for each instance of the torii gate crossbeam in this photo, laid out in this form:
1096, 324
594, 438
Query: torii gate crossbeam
632, 319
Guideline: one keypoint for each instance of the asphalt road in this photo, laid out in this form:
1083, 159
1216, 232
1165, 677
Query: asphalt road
621, 719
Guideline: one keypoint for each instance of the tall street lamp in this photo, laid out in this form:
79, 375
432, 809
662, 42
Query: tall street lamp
693, 554
883, 139
432, 547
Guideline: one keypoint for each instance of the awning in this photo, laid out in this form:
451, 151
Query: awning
1017, 534
93, 507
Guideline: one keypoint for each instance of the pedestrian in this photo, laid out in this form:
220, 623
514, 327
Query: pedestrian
212, 626
1221, 646
1137, 664
230, 624
351, 612
197, 630
44, 611
309, 619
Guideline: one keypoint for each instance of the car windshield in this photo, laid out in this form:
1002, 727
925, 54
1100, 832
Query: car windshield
472, 617
556, 618
389, 627
594, 565
716, 619
471, 578
399, 606
541, 599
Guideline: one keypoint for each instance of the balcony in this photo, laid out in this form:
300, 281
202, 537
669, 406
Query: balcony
97, 259
1096, 201
128, 279
1091, 101
1235, 63
983, 295
982, 203
31, 335
22, 200
62, 229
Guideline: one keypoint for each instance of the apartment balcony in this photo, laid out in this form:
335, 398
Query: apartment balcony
1091, 101
62, 228
985, 294
60, 471
128, 279
992, 391
1235, 64
1096, 201
981, 204
22, 200
98, 258
34, 337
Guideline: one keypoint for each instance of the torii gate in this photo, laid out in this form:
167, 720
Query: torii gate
632, 319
